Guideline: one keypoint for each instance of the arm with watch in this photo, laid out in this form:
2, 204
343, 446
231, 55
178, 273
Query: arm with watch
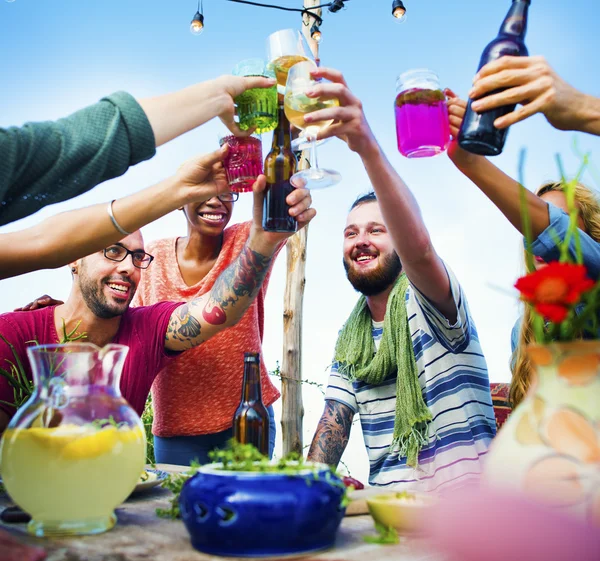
68, 236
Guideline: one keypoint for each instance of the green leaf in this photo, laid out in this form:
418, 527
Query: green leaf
386, 535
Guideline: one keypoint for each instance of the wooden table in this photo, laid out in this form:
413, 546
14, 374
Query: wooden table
140, 535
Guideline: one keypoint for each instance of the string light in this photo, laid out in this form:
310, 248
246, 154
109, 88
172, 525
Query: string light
197, 25
399, 11
336, 6
315, 33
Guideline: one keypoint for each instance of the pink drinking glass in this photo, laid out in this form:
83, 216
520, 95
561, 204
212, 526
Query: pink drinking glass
422, 125
244, 162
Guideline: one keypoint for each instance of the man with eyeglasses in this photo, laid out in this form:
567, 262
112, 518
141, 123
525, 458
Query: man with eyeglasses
104, 284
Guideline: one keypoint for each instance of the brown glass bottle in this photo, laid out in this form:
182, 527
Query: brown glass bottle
280, 165
251, 420
477, 132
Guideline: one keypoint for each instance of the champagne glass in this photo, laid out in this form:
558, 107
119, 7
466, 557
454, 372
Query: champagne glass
297, 104
285, 48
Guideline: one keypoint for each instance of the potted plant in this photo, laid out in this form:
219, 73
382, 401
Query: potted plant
243, 505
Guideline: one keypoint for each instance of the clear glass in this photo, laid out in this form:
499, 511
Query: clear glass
244, 161
422, 125
297, 105
257, 107
75, 450
285, 48
300, 143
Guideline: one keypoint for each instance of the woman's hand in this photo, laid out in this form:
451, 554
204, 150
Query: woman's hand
456, 113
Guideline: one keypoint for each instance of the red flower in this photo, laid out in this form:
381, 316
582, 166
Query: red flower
554, 289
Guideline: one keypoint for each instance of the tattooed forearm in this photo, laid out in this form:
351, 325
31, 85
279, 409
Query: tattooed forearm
236, 286
183, 327
332, 434
242, 278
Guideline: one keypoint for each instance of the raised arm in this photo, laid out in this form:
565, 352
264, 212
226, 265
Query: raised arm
173, 114
237, 286
532, 83
332, 434
400, 210
68, 236
500, 188
49, 162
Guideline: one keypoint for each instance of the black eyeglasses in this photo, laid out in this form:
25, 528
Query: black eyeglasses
229, 197
140, 259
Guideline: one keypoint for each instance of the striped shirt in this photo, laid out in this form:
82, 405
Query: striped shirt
454, 381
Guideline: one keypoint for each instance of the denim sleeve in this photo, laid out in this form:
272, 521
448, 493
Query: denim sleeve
545, 247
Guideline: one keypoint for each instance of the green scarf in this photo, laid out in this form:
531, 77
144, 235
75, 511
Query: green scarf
357, 359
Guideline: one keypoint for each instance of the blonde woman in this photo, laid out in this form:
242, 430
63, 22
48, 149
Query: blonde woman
548, 213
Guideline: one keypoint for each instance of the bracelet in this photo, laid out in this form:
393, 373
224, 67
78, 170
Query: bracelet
109, 209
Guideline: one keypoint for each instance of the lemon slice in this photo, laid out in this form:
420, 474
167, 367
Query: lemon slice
92, 445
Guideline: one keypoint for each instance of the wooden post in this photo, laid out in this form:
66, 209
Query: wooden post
291, 367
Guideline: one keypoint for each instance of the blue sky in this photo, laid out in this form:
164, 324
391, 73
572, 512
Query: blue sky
60, 55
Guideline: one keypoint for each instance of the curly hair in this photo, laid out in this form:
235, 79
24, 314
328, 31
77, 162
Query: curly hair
589, 210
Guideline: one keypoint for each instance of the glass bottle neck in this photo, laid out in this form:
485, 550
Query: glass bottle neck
515, 22
282, 136
251, 390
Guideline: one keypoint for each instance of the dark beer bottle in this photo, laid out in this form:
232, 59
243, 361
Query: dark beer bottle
280, 165
478, 133
251, 420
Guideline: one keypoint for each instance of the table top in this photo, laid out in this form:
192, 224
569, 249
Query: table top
140, 535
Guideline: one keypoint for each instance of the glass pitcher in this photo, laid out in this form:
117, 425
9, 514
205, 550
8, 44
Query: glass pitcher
76, 449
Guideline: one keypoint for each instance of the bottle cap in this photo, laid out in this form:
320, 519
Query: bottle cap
252, 357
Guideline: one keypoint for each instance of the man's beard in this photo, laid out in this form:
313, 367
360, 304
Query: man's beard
376, 281
96, 300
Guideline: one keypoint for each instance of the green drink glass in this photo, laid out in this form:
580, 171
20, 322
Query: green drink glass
257, 107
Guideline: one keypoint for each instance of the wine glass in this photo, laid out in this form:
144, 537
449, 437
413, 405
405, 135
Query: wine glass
301, 143
297, 104
285, 48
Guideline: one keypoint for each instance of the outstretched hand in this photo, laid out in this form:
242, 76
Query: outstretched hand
299, 201
531, 82
456, 113
203, 177
227, 88
350, 123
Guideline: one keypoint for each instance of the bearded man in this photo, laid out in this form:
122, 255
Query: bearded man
408, 359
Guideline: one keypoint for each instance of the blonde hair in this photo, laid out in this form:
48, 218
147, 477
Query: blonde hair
589, 210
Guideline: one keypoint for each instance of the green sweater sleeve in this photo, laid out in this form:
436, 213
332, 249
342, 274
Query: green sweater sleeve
46, 163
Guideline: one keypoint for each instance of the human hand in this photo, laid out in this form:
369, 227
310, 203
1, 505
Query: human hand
226, 88
350, 123
299, 201
40, 302
456, 113
202, 177
531, 82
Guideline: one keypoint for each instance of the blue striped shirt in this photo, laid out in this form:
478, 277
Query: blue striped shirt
454, 381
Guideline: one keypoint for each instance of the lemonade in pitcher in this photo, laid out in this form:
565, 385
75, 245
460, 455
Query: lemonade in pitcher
76, 449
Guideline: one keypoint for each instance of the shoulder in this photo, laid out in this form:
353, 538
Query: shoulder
239, 231
161, 245
146, 313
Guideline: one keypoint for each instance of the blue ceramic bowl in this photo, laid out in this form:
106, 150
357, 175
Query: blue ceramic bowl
253, 514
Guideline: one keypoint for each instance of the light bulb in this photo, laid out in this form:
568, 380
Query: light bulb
400, 15
315, 33
197, 25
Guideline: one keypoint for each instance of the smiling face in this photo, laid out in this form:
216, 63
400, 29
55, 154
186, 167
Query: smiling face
106, 286
372, 265
208, 218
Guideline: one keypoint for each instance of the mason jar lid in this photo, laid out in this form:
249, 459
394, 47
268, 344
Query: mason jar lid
417, 78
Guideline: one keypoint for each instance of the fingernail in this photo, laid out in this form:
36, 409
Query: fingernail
475, 105
308, 118
310, 93
471, 92
475, 78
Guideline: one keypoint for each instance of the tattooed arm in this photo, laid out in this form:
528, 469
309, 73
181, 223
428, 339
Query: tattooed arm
223, 306
332, 434
238, 285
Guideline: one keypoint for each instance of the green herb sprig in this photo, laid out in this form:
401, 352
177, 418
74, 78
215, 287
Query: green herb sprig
386, 535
